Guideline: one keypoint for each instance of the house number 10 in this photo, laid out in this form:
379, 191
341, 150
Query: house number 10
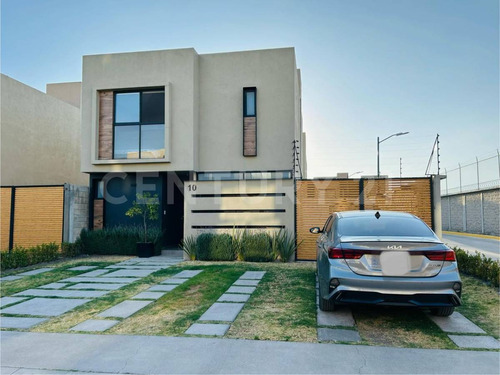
192, 187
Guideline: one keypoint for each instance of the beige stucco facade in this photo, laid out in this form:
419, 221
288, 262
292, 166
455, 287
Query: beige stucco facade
203, 107
40, 137
69, 92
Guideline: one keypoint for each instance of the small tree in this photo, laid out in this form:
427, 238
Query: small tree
146, 206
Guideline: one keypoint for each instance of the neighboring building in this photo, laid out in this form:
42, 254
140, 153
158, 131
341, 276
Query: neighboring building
153, 121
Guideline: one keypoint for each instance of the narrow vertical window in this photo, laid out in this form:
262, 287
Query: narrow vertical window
250, 121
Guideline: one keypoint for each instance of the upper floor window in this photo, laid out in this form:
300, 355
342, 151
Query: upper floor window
249, 121
249, 103
139, 125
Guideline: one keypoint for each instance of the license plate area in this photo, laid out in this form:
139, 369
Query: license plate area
395, 263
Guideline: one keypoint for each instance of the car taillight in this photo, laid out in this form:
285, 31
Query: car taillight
447, 256
336, 253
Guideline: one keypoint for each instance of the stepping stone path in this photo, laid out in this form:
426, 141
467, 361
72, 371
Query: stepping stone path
129, 307
227, 307
67, 294
457, 323
332, 324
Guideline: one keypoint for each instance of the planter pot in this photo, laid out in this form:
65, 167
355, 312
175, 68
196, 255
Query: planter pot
145, 249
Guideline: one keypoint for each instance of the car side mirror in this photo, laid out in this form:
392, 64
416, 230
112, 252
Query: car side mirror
315, 230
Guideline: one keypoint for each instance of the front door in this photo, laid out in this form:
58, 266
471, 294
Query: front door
173, 208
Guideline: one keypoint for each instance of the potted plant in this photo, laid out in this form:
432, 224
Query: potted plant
146, 206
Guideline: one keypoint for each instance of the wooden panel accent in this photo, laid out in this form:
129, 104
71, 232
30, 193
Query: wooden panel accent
5, 197
249, 136
406, 195
316, 200
98, 214
38, 216
105, 149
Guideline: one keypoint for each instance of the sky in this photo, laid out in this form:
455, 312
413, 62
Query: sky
370, 68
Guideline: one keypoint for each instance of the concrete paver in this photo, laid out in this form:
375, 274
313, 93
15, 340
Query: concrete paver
94, 273
93, 325
244, 282
44, 306
124, 309
119, 280
253, 275
148, 295
341, 317
97, 286
241, 289
62, 293
162, 288
5, 301
52, 286
224, 312
187, 274
130, 273
456, 323
207, 329
19, 322
155, 354
477, 342
226, 297
11, 278
82, 268
176, 281
36, 272
332, 334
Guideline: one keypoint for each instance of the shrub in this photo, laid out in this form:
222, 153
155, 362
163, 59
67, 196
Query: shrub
478, 265
120, 240
283, 245
22, 257
256, 248
69, 250
221, 248
203, 246
189, 247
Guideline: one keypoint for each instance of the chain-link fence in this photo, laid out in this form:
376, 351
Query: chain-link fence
480, 174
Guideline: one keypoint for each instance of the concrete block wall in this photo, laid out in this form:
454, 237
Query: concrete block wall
475, 212
76, 211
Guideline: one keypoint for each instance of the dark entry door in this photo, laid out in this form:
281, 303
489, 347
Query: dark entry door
173, 207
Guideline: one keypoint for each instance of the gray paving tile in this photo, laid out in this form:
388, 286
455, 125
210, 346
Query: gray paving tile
18, 322
35, 272
207, 329
8, 370
94, 325
11, 278
44, 306
124, 309
162, 288
52, 286
244, 282
233, 298
241, 289
478, 342
82, 268
4, 301
331, 334
175, 281
96, 286
94, 273
130, 273
148, 295
63, 293
253, 275
456, 323
120, 280
340, 317
224, 312
137, 267
187, 274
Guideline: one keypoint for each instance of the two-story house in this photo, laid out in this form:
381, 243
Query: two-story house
212, 135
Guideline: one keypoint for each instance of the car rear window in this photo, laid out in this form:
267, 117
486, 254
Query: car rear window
384, 226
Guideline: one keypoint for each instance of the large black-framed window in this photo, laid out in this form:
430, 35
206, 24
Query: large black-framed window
139, 124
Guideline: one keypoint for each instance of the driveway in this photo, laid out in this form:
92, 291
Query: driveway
188, 355
490, 247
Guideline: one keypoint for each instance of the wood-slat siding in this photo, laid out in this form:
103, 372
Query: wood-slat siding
249, 136
405, 195
38, 215
316, 200
5, 198
105, 151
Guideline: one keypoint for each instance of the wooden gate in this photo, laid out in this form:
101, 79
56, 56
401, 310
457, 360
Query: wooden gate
317, 199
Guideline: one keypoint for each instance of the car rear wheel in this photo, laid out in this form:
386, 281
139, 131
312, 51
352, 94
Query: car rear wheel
326, 305
443, 311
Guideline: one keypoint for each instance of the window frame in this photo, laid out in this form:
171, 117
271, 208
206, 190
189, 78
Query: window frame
140, 123
245, 91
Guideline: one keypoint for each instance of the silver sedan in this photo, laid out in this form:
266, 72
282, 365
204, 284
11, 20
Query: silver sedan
385, 258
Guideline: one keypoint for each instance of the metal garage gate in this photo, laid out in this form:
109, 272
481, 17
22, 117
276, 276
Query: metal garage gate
317, 199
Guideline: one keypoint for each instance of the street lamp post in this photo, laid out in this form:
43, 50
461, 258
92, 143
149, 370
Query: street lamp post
378, 148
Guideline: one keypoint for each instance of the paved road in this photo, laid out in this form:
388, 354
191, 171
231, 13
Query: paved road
490, 247
189, 355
